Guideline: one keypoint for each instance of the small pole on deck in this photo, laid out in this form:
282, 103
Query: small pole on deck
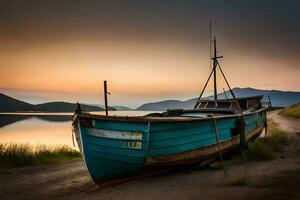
105, 97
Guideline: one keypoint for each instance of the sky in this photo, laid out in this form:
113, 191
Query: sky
147, 50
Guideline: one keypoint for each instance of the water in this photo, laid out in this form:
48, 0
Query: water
44, 128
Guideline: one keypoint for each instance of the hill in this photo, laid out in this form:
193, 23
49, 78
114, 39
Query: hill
114, 107
63, 107
278, 99
292, 111
9, 104
122, 108
161, 105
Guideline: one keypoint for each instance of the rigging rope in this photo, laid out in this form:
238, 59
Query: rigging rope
218, 143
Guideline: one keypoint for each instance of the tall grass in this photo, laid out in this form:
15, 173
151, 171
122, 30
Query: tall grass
266, 148
19, 155
292, 111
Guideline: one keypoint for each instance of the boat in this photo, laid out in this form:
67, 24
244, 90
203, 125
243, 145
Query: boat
116, 147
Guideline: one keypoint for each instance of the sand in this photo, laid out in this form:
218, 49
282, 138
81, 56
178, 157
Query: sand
275, 179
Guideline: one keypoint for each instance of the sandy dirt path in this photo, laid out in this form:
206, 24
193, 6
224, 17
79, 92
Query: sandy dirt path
275, 179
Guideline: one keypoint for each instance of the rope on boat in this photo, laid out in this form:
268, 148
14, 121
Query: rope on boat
218, 143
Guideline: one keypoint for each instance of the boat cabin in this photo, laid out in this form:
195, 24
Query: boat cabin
219, 107
246, 103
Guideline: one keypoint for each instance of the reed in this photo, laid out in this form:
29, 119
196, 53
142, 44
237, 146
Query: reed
292, 111
19, 155
266, 148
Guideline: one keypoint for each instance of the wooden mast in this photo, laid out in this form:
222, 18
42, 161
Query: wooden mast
210, 56
210, 40
215, 73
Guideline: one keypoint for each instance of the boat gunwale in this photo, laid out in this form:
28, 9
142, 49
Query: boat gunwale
161, 119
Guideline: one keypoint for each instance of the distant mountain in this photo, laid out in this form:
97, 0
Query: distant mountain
167, 104
9, 104
122, 108
63, 107
278, 99
119, 108
163, 105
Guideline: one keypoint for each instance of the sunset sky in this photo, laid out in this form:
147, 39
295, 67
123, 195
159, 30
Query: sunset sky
147, 50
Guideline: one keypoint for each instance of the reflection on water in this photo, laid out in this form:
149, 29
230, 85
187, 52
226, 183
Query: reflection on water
34, 130
42, 128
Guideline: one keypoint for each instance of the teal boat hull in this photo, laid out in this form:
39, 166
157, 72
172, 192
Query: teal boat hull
118, 146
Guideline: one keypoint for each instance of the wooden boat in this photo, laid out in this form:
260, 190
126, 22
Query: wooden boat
120, 146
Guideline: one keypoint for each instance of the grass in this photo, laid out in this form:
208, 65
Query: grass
292, 111
266, 148
262, 149
19, 155
238, 181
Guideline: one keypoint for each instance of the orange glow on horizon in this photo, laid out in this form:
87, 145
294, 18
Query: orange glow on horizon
132, 68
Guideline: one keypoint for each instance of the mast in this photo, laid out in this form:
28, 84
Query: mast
210, 40
215, 72
212, 71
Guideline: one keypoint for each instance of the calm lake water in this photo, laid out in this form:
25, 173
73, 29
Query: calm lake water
44, 128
